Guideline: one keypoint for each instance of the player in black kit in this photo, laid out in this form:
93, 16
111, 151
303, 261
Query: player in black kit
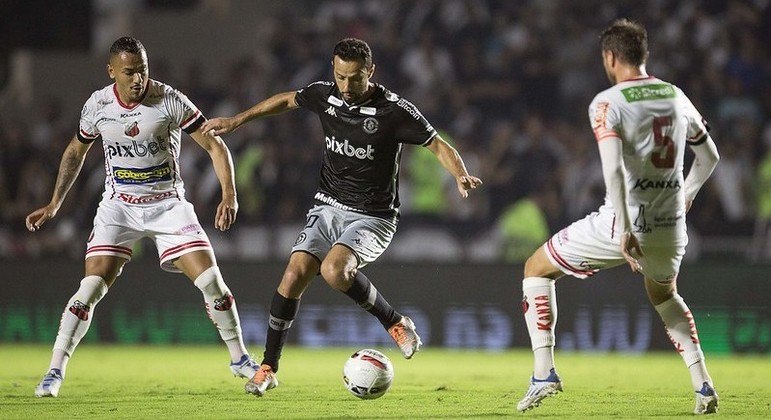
357, 203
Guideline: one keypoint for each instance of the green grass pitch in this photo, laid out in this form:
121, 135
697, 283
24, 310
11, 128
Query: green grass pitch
194, 382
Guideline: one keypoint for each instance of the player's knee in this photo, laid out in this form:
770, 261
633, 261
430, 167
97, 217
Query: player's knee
529, 265
292, 278
534, 267
337, 275
660, 291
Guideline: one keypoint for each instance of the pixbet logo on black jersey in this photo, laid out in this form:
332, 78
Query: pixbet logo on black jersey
346, 149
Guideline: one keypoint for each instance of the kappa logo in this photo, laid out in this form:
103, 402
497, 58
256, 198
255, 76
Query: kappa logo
645, 183
331, 111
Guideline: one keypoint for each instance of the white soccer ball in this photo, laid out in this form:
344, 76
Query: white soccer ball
368, 374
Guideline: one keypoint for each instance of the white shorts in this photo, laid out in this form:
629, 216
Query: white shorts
367, 236
171, 224
592, 244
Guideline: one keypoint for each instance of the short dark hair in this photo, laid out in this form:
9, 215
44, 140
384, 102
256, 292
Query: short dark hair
354, 49
627, 40
127, 44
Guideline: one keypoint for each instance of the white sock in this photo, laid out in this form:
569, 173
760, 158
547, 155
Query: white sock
221, 307
681, 329
76, 319
699, 375
539, 304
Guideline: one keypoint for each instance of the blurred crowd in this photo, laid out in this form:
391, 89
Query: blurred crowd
508, 83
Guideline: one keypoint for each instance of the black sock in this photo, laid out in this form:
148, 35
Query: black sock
366, 295
282, 313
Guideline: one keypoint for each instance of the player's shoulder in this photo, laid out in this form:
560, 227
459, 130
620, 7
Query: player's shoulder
386, 95
103, 96
319, 85
159, 90
99, 100
388, 98
610, 95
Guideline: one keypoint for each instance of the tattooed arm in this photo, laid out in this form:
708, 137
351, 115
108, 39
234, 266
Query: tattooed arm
69, 168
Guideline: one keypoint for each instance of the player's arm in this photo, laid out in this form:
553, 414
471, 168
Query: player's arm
614, 174
452, 162
276, 104
704, 163
69, 168
223, 167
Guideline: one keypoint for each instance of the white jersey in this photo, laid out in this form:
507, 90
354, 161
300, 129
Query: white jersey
142, 142
654, 119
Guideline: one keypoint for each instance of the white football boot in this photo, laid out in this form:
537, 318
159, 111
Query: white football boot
403, 333
706, 400
262, 381
50, 384
540, 389
244, 368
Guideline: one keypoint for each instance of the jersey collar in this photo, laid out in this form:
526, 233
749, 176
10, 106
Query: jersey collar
122, 104
638, 78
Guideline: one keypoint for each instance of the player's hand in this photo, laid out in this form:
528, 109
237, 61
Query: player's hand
467, 182
219, 126
226, 213
630, 248
36, 219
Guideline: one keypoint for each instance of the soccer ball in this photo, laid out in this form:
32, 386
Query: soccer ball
367, 374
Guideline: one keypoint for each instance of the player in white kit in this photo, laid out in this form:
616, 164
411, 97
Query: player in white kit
642, 125
140, 121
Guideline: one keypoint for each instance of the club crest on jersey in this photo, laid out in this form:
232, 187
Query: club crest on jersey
370, 125
132, 129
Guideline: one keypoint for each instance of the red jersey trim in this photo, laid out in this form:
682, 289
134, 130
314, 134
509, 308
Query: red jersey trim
189, 120
110, 248
561, 261
123, 105
634, 79
178, 248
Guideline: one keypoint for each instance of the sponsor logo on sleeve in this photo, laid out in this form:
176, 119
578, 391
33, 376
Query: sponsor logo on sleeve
334, 101
600, 114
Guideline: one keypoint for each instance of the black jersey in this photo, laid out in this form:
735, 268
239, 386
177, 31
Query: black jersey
360, 171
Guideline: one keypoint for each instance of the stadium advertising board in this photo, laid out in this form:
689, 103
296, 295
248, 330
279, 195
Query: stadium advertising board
463, 306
